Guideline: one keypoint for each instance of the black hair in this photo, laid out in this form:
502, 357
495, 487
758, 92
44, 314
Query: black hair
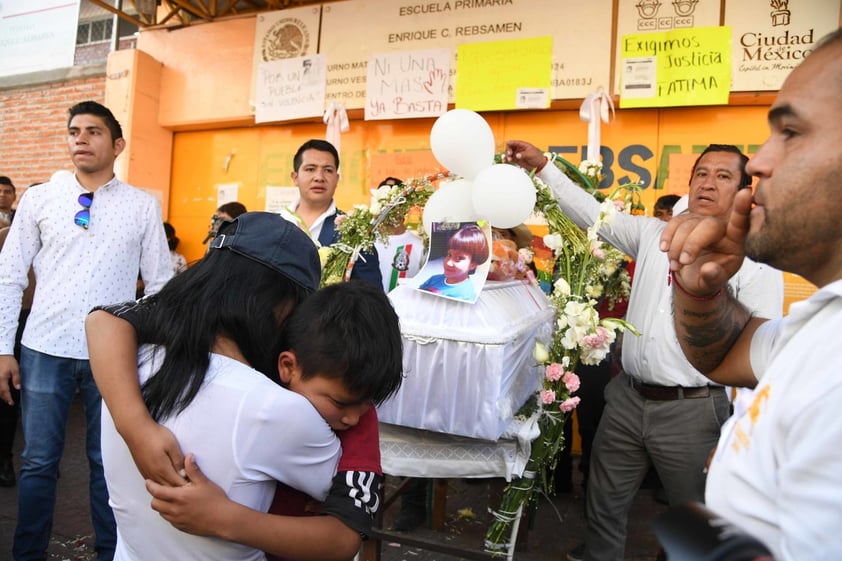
233, 209
99, 110
172, 239
223, 294
666, 202
348, 330
6, 181
394, 180
314, 144
745, 178
470, 239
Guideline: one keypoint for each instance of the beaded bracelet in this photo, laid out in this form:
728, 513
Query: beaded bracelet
707, 298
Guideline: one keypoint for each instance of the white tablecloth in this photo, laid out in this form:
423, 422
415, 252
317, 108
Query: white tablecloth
421, 453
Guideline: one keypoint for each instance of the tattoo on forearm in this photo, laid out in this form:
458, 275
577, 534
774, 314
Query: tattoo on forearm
706, 336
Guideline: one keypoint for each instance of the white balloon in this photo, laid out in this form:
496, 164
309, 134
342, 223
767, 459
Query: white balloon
462, 142
452, 202
504, 195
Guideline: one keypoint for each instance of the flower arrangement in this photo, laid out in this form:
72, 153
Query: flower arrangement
585, 270
392, 206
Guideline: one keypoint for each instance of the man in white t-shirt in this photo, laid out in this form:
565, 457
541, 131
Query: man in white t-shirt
776, 470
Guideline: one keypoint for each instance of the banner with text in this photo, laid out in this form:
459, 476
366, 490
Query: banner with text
580, 61
37, 35
407, 84
679, 67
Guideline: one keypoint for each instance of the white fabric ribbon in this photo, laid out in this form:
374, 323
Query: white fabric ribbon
593, 109
336, 119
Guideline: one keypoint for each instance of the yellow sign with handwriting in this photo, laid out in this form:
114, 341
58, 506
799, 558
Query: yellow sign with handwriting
679, 67
500, 75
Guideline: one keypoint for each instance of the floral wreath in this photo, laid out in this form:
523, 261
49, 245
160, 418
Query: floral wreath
583, 271
393, 205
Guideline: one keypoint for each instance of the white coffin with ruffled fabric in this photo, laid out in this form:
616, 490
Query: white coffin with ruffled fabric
468, 368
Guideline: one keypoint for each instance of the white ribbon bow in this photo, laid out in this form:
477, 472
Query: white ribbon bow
593, 109
336, 119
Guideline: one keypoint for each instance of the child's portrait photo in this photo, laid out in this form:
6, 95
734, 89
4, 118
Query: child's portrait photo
458, 261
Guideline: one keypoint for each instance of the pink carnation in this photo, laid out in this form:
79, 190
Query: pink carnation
547, 396
340, 219
554, 372
569, 405
596, 340
619, 205
598, 253
571, 380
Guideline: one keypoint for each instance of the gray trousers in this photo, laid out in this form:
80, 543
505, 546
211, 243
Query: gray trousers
634, 433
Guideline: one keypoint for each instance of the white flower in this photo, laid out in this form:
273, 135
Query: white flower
553, 241
590, 168
607, 212
383, 193
593, 291
607, 268
540, 353
561, 287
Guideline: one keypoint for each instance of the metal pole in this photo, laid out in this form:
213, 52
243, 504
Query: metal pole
115, 27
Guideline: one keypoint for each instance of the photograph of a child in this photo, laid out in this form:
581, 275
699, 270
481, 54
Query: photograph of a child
458, 261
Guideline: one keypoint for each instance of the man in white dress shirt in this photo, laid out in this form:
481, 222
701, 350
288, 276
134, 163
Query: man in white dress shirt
659, 411
86, 236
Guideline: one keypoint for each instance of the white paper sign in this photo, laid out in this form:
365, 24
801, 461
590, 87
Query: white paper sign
226, 193
290, 88
639, 77
407, 84
37, 35
280, 198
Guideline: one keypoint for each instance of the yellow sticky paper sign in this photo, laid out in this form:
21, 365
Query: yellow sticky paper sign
674, 68
500, 75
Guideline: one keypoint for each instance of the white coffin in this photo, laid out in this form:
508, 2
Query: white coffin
468, 368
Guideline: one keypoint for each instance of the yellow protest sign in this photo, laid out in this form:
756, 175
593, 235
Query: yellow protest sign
678, 67
499, 75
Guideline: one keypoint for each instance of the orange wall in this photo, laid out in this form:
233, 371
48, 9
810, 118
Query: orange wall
633, 146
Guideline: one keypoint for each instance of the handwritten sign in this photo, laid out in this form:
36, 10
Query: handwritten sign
484, 86
678, 67
291, 88
407, 84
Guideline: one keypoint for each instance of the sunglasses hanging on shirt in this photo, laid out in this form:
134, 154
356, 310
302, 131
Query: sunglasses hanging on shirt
83, 217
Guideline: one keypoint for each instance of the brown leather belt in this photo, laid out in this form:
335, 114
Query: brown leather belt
666, 393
